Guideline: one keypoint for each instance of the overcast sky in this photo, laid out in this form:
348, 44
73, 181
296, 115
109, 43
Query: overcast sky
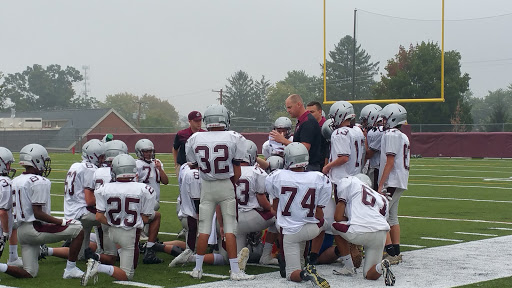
181, 50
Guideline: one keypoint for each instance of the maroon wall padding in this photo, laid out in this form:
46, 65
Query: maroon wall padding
435, 144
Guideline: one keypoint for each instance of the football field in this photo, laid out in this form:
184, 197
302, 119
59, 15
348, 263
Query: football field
460, 204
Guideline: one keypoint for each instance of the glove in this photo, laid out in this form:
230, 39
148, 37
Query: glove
66, 222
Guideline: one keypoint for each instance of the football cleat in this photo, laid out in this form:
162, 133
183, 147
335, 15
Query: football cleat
43, 252
243, 256
240, 276
394, 260
344, 271
389, 277
182, 233
268, 260
182, 258
316, 279
73, 273
196, 274
150, 257
18, 263
91, 272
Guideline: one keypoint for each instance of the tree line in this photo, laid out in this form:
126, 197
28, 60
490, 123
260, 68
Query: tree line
414, 72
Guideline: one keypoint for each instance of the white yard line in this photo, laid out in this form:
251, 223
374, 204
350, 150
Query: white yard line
476, 234
442, 239
460, 186
137, 284
412, 246
501, 228
448, 165
210, 275
456, 199
174, 202
451, 170
168, 233
454, 219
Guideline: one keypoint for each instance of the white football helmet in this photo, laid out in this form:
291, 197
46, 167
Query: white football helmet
144, 145
123, 166
275, 162
6, 160
114, 148
251, 152
365, 179
36, 156
216, 116
393, 115
284, 123
369, 115
93, 151
296, 155
327, 129
341, 111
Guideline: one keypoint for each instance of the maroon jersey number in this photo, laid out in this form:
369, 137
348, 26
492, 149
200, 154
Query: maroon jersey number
243, 185
369, 200
219, 162
308, 202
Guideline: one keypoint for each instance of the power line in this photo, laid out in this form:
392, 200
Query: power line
437, 20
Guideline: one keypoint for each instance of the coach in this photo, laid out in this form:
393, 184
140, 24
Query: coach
178, 151
307, 131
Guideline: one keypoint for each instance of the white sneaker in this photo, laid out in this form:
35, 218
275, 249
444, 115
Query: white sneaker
268, 260
243, 256
182, 233
197, 274
18, 262
389, 277
240, 276
91, 272
73, 273
182, 258
344, 271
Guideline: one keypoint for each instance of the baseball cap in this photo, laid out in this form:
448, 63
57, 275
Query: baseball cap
195, 115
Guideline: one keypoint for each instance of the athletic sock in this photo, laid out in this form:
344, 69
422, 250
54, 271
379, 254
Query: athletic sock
233, 264
396, 247
313, 258
378, 268
347, 261
50, 251
199, 262
13, 252
218, 259
150, 244
390, 250
175, 251
70, 265
107, 269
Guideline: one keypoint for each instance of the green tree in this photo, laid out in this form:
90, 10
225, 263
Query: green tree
416, 73
41, 88
339, 72
296, 82
155, 115
494, 108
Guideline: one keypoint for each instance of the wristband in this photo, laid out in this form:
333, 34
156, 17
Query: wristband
63, 222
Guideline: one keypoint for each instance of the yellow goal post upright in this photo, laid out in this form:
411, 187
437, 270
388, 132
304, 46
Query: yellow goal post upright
421, 100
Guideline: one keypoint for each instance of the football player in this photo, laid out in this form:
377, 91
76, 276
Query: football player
361, 219
254, 208
79, 188
298, 198
150, 171
394, 171
6, 220
36, 226
283, 126
217, 153
375, 130
125, 206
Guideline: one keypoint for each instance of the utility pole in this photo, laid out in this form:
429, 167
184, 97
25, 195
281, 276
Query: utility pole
354, 59
139, 102
85, 67
220, 93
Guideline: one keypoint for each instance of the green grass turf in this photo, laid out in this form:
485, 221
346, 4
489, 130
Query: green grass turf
425, 176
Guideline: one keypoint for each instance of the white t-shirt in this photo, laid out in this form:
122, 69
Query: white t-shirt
374, 137
190, 189
148, 174
80, 176
346, 141
28, 190
299, 193
365, 209
215, 152
396, 143
251, 182
124, 202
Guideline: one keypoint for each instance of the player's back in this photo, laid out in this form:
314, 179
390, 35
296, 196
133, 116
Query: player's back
396, 143
27, 190
374, 137
214, 152
299, 193
102, 176
366, 209
5, 193
251, 182
346, 141
190, 189
123, 202
80, 176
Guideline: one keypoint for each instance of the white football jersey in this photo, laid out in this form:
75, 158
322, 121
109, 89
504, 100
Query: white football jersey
5, 193
299, 193
276, 148
265, 150
394, 142
215, 152
365, 209
80, 176
190, 188
251, 182
374, 137
124, 202
28, 190
346, 141
148, 174
102, 176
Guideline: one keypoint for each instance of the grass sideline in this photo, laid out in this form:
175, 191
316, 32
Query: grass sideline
475, 192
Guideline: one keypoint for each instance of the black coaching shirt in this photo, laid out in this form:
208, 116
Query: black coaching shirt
307, 130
